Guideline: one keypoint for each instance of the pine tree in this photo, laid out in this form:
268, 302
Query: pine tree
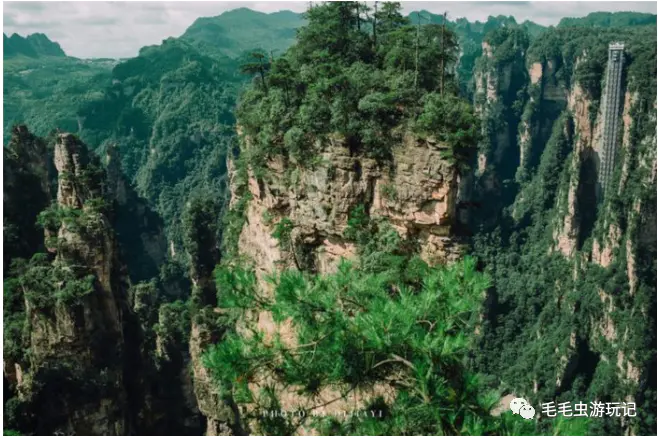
260, 65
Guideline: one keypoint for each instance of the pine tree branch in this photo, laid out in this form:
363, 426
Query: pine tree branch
395, 358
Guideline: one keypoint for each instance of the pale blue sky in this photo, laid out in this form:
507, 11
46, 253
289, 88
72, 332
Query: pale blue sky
119, 29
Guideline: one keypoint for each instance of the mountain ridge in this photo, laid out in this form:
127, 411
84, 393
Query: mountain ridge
34, 45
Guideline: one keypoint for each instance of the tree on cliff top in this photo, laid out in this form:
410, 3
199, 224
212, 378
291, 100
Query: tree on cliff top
355, 74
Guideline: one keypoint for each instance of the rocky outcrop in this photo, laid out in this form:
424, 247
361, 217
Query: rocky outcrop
85, 362
417, 194
500, 79
220, 417
79, 343
207, 326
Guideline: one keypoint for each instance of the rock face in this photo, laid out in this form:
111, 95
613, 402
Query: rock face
417, 194
220, 418
499, 79
77, 341
207, 327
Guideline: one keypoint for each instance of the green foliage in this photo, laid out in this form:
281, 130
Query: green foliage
201, 225
342, 80
508, 41
89, 220
13, 319
268, 218
45, 284
282, 232
54, 216
236, 286
173, 327
360, 328
381, 249
357, 225
355, 329
257, 64
451, 120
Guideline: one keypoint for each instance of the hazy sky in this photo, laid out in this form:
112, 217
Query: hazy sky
120, 29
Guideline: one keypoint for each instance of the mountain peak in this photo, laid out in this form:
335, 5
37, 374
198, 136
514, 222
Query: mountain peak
34, 46
237, 30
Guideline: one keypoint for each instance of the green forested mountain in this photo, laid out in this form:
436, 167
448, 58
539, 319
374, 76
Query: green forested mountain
169, 110
46, 92
610, 19
43, 87
332, 211
32, 46
167, 100
238, 30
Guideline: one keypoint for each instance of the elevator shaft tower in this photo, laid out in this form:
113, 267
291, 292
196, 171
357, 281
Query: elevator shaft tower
611, 114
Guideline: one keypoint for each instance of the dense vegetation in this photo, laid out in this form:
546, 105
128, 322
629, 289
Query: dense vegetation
46, 92
365, 76
409, 327
169, 112
471, 35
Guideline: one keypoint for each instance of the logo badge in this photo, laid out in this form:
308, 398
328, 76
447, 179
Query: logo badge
522, 407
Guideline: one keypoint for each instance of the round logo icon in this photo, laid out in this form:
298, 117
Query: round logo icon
522, 407
527, 412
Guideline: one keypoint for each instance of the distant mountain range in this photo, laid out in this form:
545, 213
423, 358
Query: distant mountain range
32, 46
610, 19
238, 30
